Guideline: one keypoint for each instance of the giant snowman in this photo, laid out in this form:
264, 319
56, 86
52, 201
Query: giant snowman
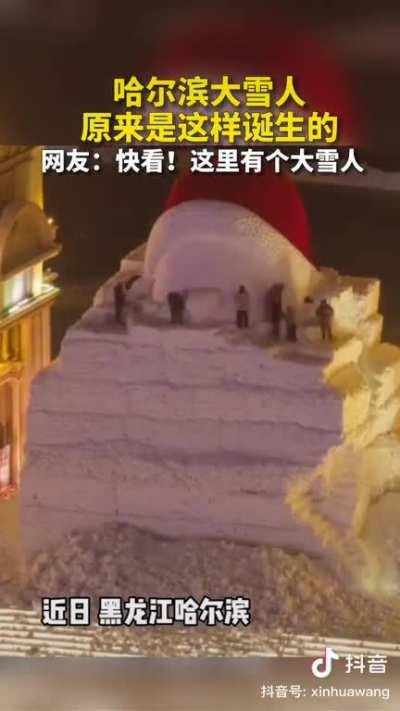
209, 248
199, 430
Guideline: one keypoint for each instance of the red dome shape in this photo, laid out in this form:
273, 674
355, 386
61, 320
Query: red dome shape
255, 44
272, 197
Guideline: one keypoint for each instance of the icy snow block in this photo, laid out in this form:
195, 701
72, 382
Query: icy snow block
270, 405
53, 393
49, 428
89, 462
288, 443
171, 435
255, 367
191, 368
194, 339
356, 409
370, 330
68, 493
382, 364
84, 360
203, 306
381, 463
178, 501
145, 336
351, 382
114, 361
381, 420
347, 354
355, 301
160, 401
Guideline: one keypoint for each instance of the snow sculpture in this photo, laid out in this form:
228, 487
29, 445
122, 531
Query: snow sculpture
197, 430
217, 245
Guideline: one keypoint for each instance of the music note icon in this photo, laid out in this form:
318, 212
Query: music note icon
322, 667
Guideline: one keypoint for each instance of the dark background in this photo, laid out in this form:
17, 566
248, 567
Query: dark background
58, 59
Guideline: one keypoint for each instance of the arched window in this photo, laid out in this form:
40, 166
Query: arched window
28, 235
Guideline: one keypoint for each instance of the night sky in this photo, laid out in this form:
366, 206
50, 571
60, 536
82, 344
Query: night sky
59, 60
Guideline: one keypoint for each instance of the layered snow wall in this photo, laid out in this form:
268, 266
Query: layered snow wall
176, 430
195, 432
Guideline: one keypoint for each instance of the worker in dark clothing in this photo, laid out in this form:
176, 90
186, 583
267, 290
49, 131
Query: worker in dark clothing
291, 326
267, 305
325, 315
176, 304
242, 302
120, 302
120, 292
276, 310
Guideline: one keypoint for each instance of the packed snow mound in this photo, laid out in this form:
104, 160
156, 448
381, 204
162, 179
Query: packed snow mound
218, 245
287, 591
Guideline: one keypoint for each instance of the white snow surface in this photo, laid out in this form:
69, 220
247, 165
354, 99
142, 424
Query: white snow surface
288, 592
207, 431
178, 430
218, 245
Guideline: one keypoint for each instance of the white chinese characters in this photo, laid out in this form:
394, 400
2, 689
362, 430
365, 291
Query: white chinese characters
139, 611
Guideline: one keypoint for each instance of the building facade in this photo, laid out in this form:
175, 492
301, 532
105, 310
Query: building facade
27, 292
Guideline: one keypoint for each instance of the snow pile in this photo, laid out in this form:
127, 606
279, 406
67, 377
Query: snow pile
289, 592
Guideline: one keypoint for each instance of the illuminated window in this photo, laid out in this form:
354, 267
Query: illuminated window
20, 287
10, 344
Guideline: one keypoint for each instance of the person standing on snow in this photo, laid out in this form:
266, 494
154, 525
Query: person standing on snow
120, 302
242, 302
176, 304
324, 314
276, 310
291, 326
120, 293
